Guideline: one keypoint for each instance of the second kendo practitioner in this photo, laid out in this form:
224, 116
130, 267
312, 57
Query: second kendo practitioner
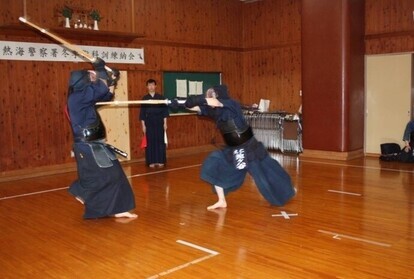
102, 185
226, 169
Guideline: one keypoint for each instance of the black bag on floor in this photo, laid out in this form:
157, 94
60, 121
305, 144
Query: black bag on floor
390, 152
390, 148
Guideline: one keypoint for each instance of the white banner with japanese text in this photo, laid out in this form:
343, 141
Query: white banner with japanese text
10, 50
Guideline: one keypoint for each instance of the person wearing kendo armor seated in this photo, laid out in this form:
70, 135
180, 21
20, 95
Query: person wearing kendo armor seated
407, 153
226, 169
102, 185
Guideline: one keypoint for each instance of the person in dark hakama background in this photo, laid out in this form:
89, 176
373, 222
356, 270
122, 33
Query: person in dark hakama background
102, 185
226, 169
154, 126
407, 154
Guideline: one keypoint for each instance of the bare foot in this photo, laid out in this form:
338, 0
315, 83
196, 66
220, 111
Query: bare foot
126, 215
79, 199
219, 204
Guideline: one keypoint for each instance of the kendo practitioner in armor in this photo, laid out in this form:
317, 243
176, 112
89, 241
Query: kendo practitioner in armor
102, 185
226, 169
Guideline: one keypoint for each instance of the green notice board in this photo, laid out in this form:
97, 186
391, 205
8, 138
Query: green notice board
207, 80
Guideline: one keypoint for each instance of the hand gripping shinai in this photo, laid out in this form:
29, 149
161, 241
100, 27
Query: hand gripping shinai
92, 59
64, 43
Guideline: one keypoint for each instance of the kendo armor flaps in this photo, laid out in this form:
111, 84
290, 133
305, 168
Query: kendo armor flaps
97, 152
232, 135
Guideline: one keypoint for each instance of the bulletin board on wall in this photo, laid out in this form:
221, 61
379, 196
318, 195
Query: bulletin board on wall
184, 84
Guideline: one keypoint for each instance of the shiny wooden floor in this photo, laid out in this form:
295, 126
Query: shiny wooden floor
350, 219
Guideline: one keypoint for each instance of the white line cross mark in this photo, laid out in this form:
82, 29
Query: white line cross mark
284, 214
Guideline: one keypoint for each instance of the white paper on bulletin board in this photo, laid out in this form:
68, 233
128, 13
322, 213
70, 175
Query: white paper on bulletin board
195, 87
181, 88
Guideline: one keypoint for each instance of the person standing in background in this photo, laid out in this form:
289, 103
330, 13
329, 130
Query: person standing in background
154, 126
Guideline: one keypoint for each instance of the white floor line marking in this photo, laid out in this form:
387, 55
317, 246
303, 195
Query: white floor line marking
284, 214
339, 236
180, 267
161, 171
354, 166
211, 253
346, 193
198, 247
58, 189
33, 193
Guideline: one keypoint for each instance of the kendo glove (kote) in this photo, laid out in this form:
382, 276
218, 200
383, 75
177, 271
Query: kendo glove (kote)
113, 77
176, 104
99, 65
195, 100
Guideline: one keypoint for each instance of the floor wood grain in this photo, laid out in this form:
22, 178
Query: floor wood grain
350, 219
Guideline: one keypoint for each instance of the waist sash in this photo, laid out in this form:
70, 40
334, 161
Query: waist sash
234, 136
92, 132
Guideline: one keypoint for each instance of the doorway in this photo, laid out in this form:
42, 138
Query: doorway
387, 99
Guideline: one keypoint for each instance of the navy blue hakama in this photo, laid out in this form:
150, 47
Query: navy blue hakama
101, 184
273, 182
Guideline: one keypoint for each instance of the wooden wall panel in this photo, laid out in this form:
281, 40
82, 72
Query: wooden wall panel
389, 26
232, 73
389, 44
38, 128
25, 137
388, 16
10, 14
116, 16
270, 23
272, 56
212, 22
192, 130
273, 74
6, 118
226, 27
